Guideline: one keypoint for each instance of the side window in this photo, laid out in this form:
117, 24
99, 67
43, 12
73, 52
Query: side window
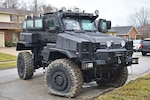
88, 25
50, 24
24, 25
38, 23
29, 23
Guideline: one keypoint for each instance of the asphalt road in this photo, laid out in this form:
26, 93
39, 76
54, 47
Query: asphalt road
13, 88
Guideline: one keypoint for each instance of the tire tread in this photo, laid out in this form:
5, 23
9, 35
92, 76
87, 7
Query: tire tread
75, 74
28, 63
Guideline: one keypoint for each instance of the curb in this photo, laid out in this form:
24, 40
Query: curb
4, 62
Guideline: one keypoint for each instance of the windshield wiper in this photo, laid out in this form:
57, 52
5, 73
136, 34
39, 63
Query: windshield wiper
90, 30
76, 31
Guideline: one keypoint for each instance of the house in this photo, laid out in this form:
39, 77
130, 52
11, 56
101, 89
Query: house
10, 24
128, 32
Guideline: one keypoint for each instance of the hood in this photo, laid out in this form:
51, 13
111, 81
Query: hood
95, 37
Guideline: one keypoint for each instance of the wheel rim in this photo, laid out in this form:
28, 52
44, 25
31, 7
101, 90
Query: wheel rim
59, 80
20, 67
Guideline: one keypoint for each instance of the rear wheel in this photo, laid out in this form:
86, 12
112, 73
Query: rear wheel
119, 79
25, 65
64, 78
143, 53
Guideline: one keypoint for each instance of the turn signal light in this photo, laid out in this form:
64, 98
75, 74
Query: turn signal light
88, 65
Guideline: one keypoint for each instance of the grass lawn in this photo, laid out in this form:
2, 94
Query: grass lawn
6, 57
135, 90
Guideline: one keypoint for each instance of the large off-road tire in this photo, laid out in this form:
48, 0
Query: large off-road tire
25, 65
143, 53
119, 79
63, 78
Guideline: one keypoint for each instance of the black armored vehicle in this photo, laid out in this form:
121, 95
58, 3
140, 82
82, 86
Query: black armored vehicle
73, 48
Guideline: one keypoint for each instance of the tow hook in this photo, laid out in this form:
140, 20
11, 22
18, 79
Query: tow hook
119, 60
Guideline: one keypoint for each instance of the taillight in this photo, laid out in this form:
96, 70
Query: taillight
140, 46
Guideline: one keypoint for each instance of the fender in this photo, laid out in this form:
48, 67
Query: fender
69, 54
21, 45
47, 53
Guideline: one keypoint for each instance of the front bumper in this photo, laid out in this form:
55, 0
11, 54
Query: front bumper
110, 57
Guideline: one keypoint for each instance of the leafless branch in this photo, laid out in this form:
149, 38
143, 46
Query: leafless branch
140, 17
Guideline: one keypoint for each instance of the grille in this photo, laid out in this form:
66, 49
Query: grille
116, 46
86, 56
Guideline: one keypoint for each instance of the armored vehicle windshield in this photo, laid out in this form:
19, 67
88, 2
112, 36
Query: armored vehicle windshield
79, 21
79, 24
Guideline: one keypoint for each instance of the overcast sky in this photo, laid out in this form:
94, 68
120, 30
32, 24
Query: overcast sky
117, 11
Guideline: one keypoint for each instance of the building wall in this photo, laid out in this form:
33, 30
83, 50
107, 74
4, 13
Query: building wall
133, 34
4, 18
21, 18
2, 40
8, 35
12, 34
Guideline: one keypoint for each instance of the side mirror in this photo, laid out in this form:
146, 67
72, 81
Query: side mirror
108, 24
103, 25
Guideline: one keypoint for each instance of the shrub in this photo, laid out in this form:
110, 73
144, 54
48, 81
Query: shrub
9, 44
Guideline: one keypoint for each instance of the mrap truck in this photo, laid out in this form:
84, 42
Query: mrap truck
73, 48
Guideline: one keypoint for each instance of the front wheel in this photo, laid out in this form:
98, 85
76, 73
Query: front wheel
63, 78
25, 65
119, 79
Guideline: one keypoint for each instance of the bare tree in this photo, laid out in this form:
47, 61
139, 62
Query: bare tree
24, 5
140, 17
10, 4
1, 2
45, 8
35, 6
145, 35
38, 6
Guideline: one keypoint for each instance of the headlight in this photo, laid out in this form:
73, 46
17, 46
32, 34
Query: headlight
108, 43
123, 43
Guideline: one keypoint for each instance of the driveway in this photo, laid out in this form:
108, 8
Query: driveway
10, 50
